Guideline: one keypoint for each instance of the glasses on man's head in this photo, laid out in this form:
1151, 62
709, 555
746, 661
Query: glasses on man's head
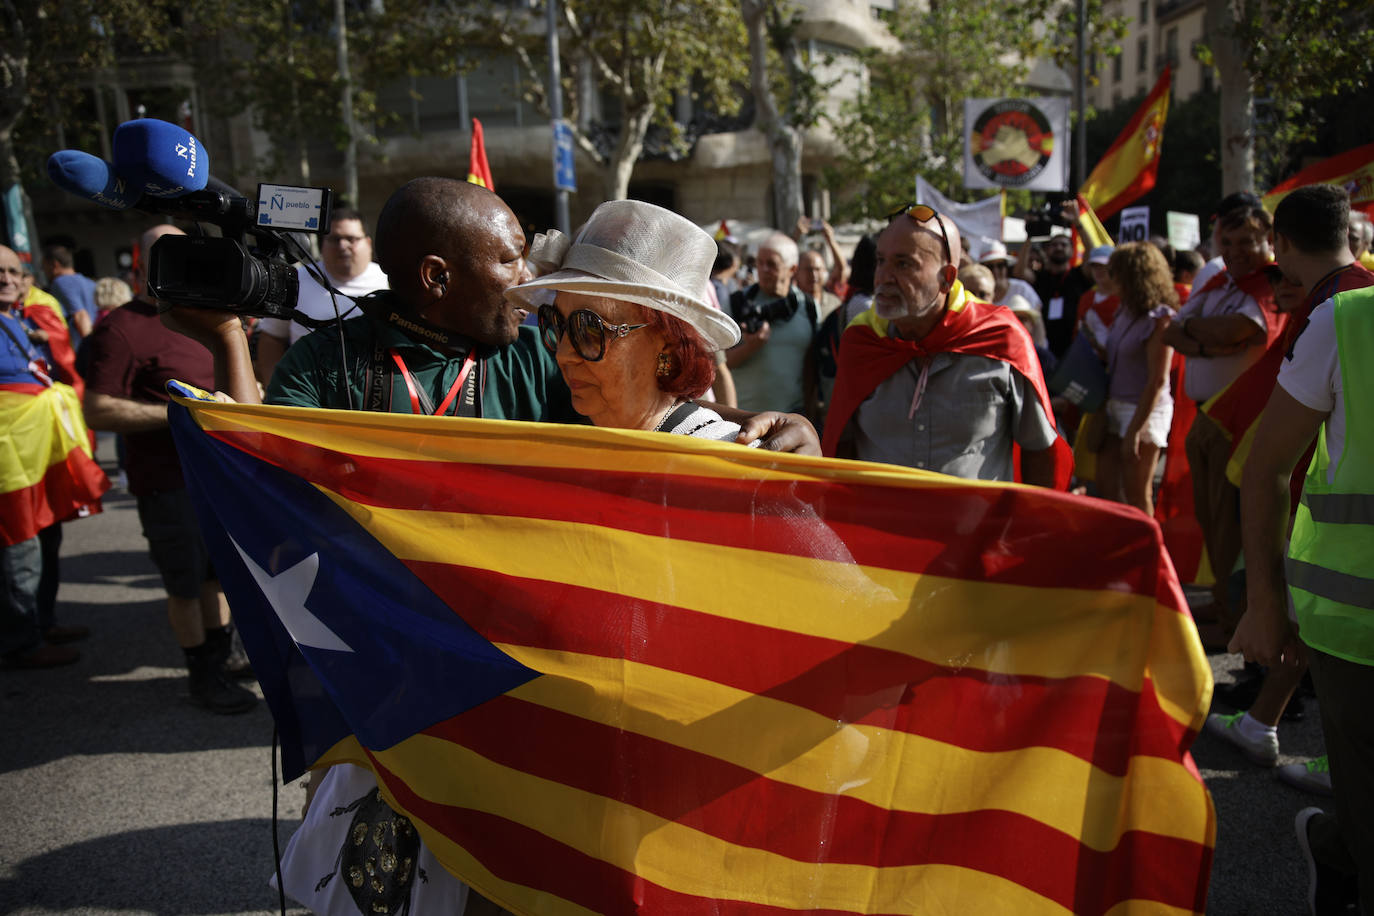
923, 214
587, 331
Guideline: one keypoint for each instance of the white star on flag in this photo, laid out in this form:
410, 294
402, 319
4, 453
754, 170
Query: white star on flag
286, 593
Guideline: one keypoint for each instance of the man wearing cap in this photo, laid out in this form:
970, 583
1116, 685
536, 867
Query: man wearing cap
1097, 306
933, 379
996, 259
1222, 331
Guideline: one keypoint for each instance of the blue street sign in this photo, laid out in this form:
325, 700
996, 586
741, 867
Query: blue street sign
564, 178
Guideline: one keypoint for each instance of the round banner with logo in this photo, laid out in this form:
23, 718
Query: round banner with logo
1016, 143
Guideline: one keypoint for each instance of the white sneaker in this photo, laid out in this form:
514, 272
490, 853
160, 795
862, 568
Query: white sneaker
1312, 776
1263, 751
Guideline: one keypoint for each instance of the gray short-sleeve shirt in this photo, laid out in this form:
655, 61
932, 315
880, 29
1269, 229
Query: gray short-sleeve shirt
972, 409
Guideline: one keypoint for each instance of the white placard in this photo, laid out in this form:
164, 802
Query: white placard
1135, 225
1185, 230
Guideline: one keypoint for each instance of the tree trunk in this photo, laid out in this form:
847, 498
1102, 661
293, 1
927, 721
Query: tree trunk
784, 140
351, 125
1237, 99
634, 125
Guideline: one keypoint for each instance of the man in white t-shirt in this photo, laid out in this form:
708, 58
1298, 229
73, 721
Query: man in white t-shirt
346, 258
1327, 577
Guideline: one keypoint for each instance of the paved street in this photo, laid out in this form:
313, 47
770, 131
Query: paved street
120, 796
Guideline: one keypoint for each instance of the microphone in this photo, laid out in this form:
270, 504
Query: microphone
92, 178
161, 158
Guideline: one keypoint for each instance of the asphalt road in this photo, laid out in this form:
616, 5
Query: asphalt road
119, 796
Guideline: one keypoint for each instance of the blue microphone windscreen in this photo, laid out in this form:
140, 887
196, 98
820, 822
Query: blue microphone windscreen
92, 178
165, 159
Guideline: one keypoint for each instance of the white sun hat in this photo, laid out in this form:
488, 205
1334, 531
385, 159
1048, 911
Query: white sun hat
636, 252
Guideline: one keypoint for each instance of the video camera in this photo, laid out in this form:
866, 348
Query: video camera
161, 168
752, 314
1040, 220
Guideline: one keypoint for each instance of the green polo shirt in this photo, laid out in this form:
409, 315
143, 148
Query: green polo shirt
518, 382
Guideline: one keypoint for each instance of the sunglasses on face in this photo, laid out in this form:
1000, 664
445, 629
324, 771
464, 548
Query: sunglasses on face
587, 331
923, 214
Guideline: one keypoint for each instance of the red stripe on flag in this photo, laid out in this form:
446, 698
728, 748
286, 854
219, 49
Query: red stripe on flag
1002, 530
1095, 719
738, 806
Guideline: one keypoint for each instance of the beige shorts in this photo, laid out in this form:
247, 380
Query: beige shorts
1120, 413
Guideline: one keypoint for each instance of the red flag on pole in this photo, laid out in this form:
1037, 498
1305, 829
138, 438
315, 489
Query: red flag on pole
479, 172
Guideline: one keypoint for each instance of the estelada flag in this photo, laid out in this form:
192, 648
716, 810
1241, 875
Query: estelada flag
1128, 169
1352, 170
617, 672
48, 472
479, 172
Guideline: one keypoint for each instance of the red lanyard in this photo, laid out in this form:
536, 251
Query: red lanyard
415, 394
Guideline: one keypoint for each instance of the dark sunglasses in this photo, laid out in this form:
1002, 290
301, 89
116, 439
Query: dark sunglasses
923, 214
586, 330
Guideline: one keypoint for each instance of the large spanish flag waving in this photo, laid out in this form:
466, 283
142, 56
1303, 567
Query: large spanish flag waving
1128, 169
619, 672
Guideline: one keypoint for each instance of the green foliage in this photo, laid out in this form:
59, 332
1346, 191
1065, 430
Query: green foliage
910, 118
48, 53
1299, 52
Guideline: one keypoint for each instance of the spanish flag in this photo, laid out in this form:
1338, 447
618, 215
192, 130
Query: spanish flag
48, 472
617, 672
1088, 232
1352, 170
1128, 169
479, 172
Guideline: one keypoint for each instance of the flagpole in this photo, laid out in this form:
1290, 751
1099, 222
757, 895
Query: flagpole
1081, 92
560, 197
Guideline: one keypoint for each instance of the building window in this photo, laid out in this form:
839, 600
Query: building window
1116, 69
1144, 10
1142, 54
1171, 47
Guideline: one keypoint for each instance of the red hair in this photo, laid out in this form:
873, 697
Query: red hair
694, 367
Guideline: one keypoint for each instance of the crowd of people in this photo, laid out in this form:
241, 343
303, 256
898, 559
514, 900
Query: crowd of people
1238, 363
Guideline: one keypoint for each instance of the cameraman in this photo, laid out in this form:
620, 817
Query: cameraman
130, 358
1059, 285
778, 322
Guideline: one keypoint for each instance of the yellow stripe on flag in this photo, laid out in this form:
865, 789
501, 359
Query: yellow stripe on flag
39, 431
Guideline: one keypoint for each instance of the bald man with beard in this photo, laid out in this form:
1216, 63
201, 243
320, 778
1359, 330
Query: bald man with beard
131, 357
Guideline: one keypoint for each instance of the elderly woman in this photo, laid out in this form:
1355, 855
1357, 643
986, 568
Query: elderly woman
628, 321
1139, 406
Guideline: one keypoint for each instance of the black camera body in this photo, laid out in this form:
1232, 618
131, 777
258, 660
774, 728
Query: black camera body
753, 314
1040, 220
222, 273
213, 272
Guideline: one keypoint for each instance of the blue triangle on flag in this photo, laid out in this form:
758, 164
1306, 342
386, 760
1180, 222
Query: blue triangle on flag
343, 637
